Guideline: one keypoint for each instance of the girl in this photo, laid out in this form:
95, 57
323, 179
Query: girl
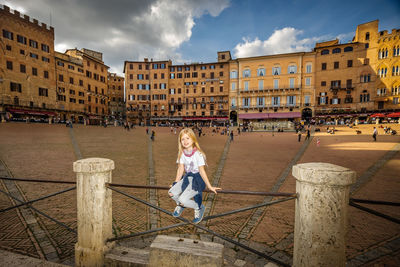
187, 189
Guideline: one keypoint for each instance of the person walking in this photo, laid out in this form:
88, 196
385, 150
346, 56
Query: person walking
374, 134
299, 135
153, 134
308, 134
191, 178
231, 135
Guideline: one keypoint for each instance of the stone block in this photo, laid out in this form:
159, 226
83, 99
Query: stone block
127, 257
173, 251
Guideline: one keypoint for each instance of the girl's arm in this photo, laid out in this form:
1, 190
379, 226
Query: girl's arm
203, 175
179, 172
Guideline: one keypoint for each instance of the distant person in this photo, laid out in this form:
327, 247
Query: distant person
308, 134
153, 134
231, 134
191, 178
299, 135
147, 130
374, 134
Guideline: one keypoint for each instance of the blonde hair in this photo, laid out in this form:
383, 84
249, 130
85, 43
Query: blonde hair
192, 136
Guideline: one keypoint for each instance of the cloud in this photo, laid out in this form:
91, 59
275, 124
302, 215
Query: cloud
121, 29
281, 41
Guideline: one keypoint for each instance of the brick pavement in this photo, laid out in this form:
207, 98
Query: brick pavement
46, 151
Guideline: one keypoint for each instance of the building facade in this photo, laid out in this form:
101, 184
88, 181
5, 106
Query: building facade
95, 71
269, 91
27, 73
71, 93
335, 80
116, 102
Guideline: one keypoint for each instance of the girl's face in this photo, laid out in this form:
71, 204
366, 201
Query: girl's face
186, 141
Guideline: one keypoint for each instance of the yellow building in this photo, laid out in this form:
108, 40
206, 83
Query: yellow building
384, 60
272, 91
71, 92
27, 73
96, 83
116, 96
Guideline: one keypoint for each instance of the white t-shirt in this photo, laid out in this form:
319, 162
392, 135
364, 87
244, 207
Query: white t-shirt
193, 162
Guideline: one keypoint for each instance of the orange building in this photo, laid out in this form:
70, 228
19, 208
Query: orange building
27, 73
116, 96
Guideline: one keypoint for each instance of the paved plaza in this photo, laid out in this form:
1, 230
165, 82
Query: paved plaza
255, 161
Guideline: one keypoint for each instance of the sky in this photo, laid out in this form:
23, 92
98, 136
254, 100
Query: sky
188, 31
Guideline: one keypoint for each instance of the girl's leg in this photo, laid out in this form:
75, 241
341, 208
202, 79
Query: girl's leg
175, 191
186, 198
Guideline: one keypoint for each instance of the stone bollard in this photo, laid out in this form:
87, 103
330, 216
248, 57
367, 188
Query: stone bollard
321, 214
94, 210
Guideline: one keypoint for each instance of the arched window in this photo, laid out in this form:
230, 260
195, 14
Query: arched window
336, 50
246, 73
386, 53
325, 52
292, 69
348, 49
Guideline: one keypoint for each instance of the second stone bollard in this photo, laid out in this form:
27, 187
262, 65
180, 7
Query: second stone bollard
94, 208
321, 214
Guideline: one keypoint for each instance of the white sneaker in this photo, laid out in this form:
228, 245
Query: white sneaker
198, 214
178, 211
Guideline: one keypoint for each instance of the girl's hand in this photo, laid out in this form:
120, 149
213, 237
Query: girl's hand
214, 189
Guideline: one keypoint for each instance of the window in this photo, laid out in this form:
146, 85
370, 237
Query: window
260, 101
46, 74
395, 71
34, 71
61, 77
276, 101
335, 84
276, 84
395, 100
233, 74
291, 82
21, 39
221, 74
71, 80
45, 48
349, 63
233, 86
323, 66
71, 67
291, 100
323, 83
276, 70
336, 50
246, 73
349, 83
261, 72
260, 84
292, 69
336, 64
246, 102
8, 47
335, 101
43, 91
9, 65
8, 35
46, 59
325, 52
15, 87
22, 68
365, 78
33, 44
33, 55
308, 81
172, 75
246, 85
367, 36
308, 68
307, 99
212, 67
348, 49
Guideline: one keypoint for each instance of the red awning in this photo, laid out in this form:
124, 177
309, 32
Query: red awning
205, 118
378, 115
393, 115
32, 112
281, 115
